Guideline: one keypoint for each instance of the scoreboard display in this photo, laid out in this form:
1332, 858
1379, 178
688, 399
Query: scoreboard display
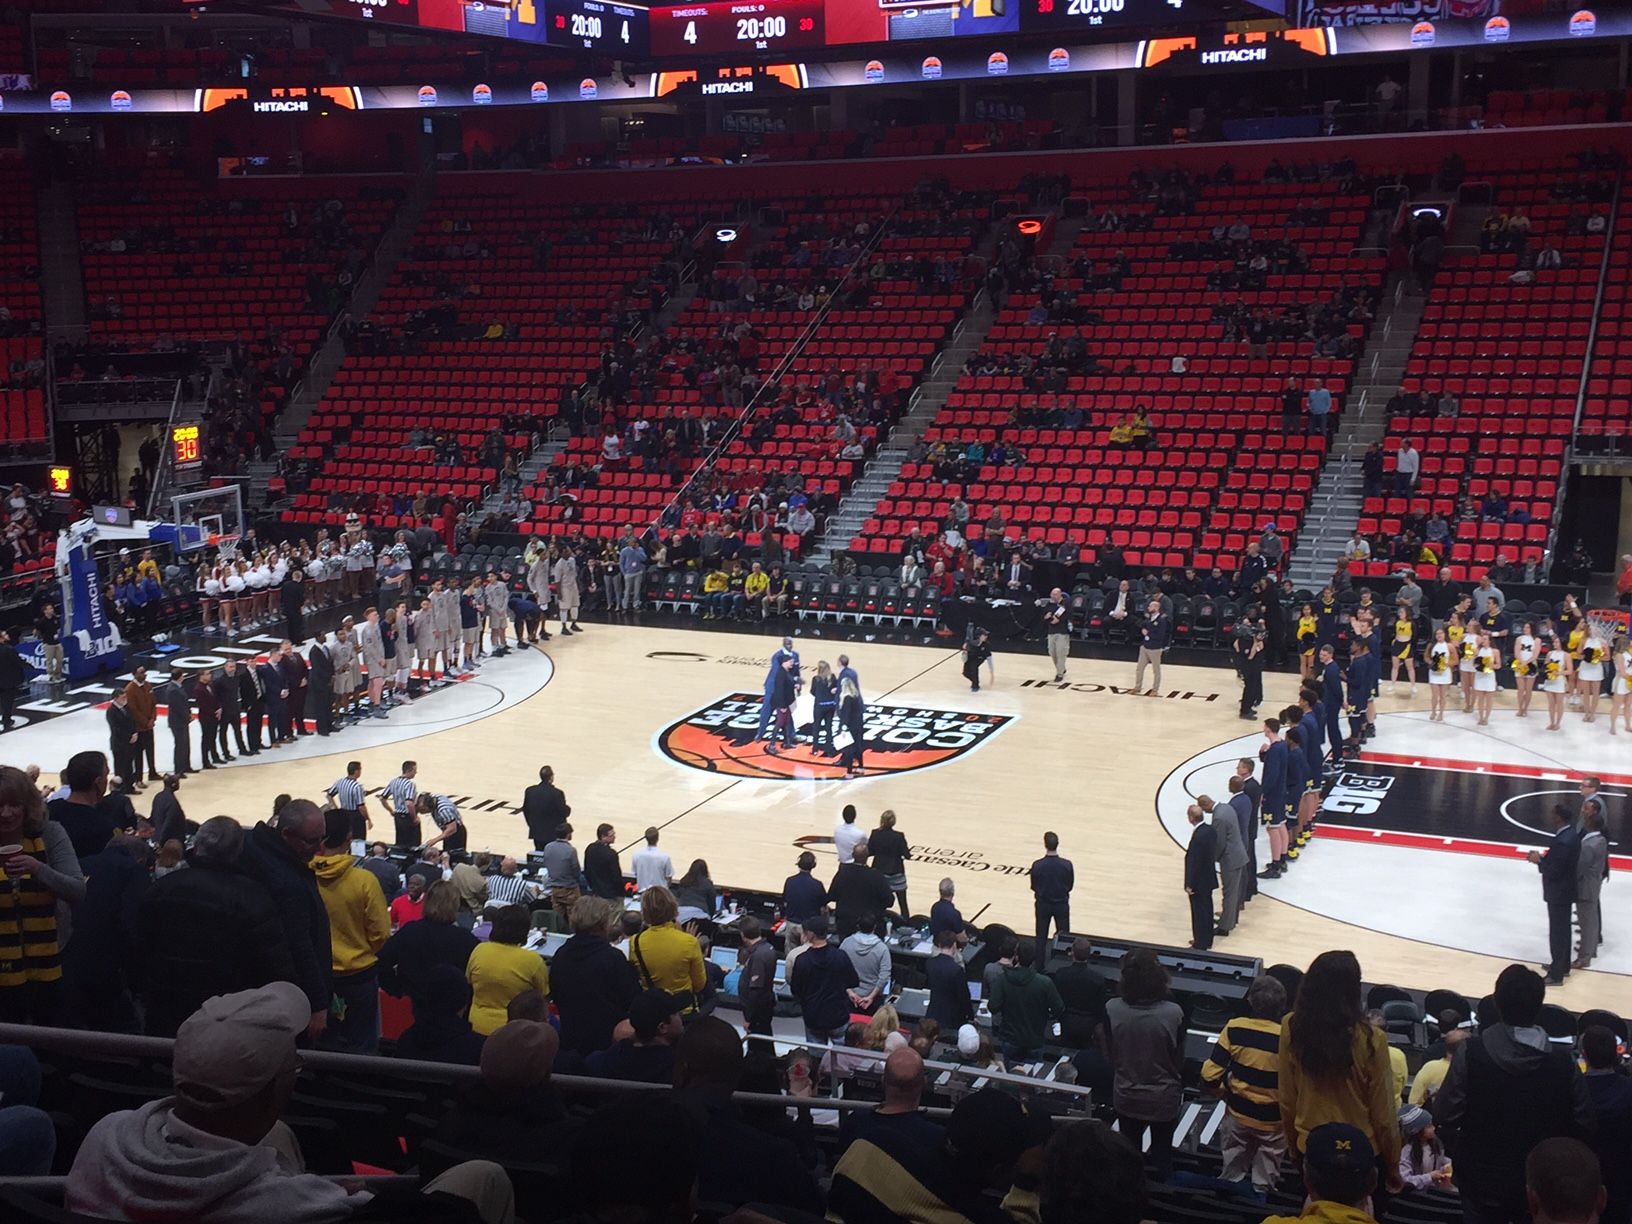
1076, 16
736, 25
732, 27
618, 30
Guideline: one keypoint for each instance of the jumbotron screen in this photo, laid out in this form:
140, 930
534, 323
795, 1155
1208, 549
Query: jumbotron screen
726, 27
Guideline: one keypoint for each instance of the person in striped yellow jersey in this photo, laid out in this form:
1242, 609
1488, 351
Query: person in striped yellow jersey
39, 880
1244, 1068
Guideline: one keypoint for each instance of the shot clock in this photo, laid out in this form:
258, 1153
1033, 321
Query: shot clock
736, 26
185, 453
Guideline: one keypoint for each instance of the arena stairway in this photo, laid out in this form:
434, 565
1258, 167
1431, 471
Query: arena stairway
1335, 505
884, 467
393, 245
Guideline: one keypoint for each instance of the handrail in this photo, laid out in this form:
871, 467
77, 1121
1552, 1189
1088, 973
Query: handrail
1005, 1077
132, 1045
734, 430
166, 467
1548, 552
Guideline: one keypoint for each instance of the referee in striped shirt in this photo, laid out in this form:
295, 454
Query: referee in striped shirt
450, 826
399, 798
508, 886
347, 796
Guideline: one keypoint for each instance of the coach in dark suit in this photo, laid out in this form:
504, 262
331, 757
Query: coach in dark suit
178, 713
226, 700
545, 810
294, 671
252, 697
1201, 880
322, 683
276, 697
1558, 888
291, 598
1591, 870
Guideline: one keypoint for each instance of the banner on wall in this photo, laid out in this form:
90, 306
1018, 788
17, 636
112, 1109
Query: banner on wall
1327, 30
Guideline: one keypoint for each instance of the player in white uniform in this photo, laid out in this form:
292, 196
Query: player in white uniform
445, 614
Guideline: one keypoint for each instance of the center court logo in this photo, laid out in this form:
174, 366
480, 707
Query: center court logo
899, 738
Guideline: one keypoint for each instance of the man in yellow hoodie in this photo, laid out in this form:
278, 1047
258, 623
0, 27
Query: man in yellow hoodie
358, 925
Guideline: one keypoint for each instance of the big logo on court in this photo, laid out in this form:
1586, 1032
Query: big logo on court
719, 738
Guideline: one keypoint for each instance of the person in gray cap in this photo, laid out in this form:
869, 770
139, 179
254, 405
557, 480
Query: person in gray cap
214, 1150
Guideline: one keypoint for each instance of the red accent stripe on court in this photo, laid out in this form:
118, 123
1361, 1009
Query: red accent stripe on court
1451, 845
1489, 767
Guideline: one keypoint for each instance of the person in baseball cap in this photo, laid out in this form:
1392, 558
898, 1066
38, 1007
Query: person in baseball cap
205, 1153
1340, 1173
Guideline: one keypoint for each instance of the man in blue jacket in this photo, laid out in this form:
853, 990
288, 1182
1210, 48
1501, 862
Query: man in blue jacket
1331, 696
1362, 679
781, 655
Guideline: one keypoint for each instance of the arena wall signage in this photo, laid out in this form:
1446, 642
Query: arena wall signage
901, 64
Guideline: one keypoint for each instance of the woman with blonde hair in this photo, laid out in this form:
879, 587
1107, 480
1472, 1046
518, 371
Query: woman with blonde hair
1556, 677
1526, 650
852, 716
886, 1020
664, 956
1589, 671
824, 697
890, 854
1620, 692
1486, 663
1439, 658
42, 880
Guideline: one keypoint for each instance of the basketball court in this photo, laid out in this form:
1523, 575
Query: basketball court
1420, 870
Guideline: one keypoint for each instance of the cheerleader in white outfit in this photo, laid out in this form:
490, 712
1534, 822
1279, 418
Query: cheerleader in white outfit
1620, 692
209, 594
1486, 663
1466, 652
1589, 673
1526, 649
1556, 674
256, 579
1440, 660
227, 602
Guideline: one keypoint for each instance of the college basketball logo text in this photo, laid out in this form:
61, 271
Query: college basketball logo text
719, 738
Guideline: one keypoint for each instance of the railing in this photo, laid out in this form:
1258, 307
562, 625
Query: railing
93, 391
1551, 548
1082, 1095
132, 1045
163, 474
762, 393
